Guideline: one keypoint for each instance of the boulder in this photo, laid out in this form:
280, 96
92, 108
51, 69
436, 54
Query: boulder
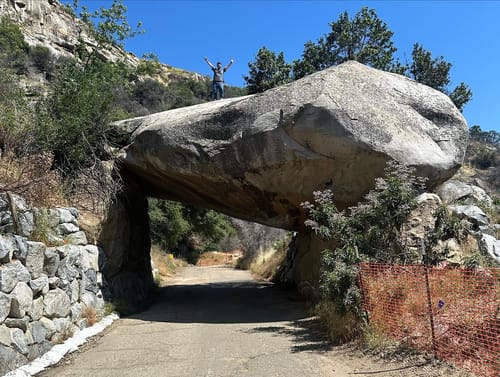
37, 332
77, 238
40, 285
19, 341
5, 301
20, 323
35, 258
56, 304
22, 300
10, 359
23, 222
6, 249
258, 157
22, 272
472, 213
491, 246
8, 277
51, 261
37, 309
452, 191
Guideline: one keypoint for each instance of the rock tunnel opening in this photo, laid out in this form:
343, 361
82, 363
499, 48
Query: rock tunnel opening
127, 234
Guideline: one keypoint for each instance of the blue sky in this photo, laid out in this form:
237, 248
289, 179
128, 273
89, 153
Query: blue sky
181, 33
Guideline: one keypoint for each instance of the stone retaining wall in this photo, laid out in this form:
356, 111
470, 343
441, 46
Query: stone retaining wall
47, 293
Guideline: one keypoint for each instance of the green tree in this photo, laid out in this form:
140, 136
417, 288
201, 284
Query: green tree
365, 38
167, 223
174, 222
268, 71
75, 118
107, 26
435, 72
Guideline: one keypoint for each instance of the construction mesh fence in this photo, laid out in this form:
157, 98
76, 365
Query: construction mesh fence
453, 313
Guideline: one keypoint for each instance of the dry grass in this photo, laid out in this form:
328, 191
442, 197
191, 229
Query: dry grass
339, 328
267, 265
90, 314
216, 258
165, 263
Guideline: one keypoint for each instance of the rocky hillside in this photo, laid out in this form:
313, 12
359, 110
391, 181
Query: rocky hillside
53, 25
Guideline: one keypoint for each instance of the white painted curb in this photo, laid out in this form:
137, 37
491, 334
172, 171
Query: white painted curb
57, 352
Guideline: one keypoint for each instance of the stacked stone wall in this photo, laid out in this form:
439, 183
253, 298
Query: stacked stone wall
48, 290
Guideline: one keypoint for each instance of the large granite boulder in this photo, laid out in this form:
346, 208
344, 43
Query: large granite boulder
258, 157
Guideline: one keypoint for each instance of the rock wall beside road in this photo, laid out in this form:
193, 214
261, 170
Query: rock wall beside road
47, 293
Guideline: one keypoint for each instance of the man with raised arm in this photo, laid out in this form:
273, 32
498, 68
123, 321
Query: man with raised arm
218, 80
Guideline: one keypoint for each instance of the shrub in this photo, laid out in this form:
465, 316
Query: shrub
32, 178
370, 231
13, 48
90, 314
42, 59
74, 120
149, 65
167, 223
16, 117
150, 94
484, 158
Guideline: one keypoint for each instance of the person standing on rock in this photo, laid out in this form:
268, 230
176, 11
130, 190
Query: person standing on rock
218, 80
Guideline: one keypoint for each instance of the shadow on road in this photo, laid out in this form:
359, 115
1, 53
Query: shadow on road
260, 307
234, 302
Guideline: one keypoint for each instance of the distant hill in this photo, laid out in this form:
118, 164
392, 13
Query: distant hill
53, 27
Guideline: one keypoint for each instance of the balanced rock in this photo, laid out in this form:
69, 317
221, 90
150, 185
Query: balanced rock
258, 157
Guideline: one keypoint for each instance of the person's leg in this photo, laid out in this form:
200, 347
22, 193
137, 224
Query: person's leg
221, 86
214, 90
218, 90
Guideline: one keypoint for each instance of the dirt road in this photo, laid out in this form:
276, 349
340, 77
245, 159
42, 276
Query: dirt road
219, 322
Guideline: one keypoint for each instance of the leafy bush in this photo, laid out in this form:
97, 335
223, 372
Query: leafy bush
370, 231
446, 226
150, 94
16, 117
42, 59
149, 65
13, 48
75, 118
484, 158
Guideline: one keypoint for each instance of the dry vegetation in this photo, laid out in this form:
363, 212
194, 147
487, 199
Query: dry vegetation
32, 178
217, 258
90, 314
164, 263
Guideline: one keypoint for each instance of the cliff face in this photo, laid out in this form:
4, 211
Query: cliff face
47, 23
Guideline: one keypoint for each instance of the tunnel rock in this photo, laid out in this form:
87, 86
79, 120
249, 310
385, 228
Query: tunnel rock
258, 157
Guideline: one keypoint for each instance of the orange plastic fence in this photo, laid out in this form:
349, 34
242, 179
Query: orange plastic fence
453, 313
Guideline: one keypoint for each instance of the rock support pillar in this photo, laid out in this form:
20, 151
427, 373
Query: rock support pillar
126, 241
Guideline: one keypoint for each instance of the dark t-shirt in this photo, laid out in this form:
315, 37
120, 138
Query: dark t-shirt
218, 74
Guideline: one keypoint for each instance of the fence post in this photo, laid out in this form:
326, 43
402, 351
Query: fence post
363, 293
429, 304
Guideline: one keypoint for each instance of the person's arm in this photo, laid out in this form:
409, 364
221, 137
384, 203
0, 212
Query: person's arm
208, 62
229, 65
